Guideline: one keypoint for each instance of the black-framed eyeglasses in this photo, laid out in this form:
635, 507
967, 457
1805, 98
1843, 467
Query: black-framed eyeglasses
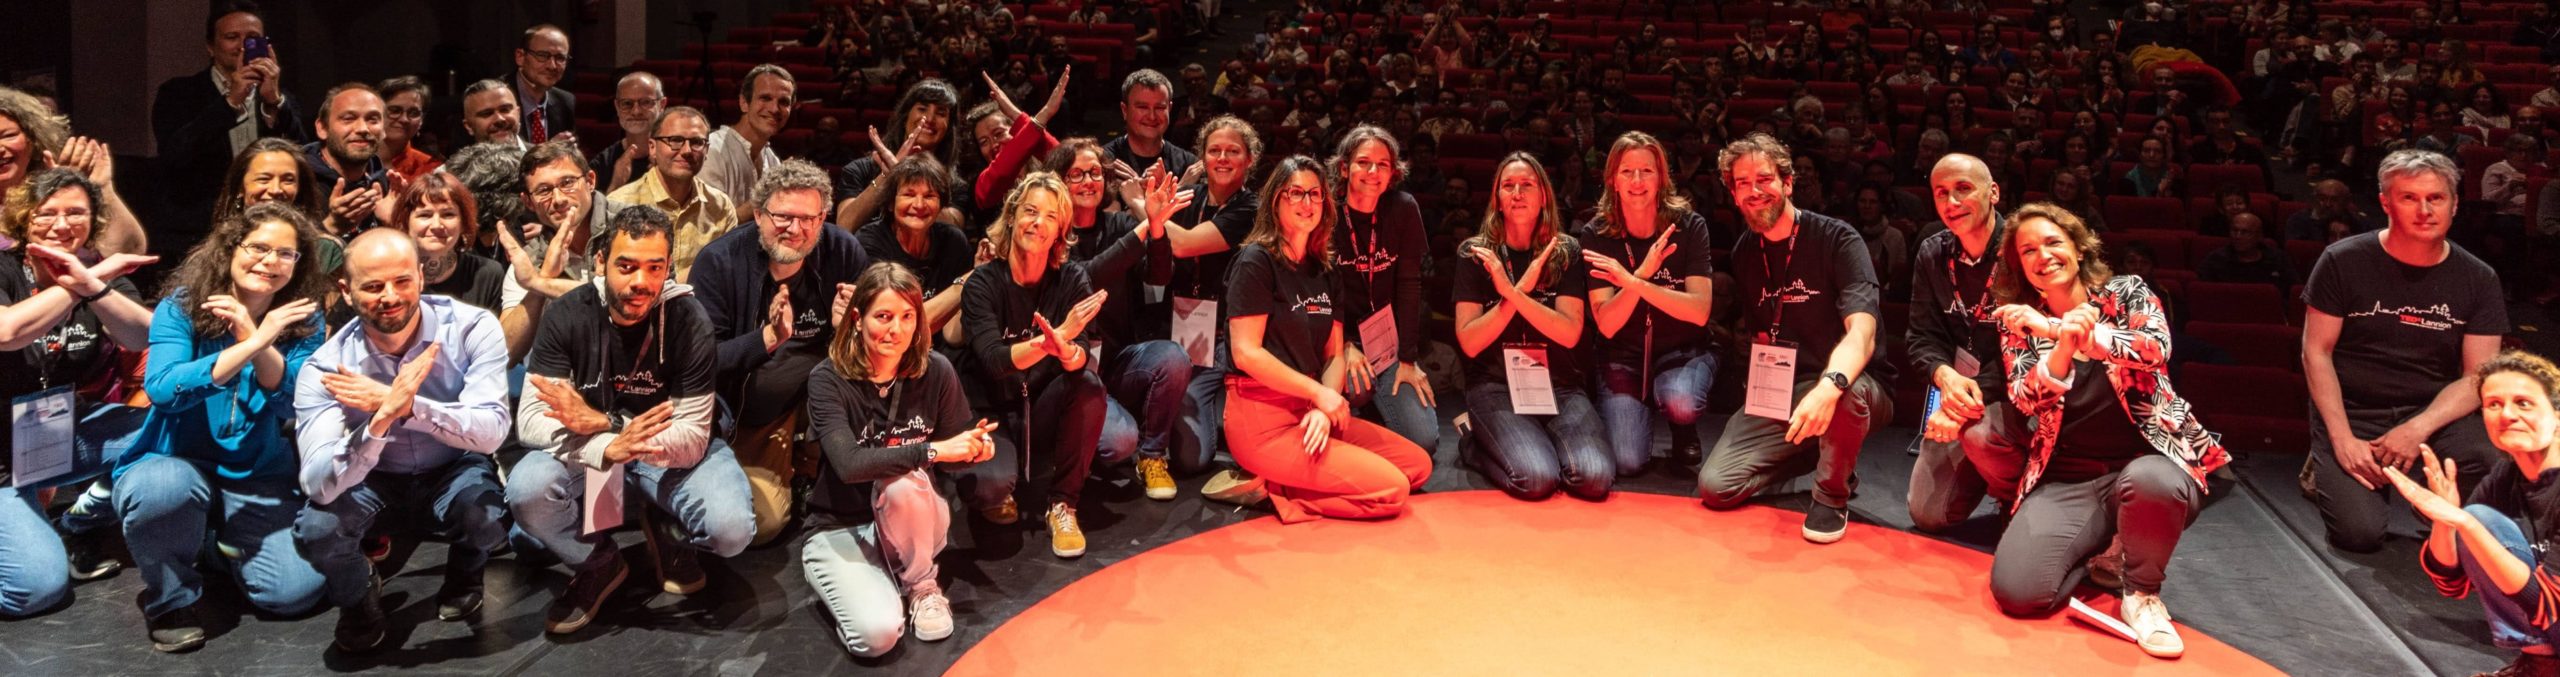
683, 142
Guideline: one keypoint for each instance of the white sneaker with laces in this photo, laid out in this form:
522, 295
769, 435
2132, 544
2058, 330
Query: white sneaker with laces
2151, 624
931, 612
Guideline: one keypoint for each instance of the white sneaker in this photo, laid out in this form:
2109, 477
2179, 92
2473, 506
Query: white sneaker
2149, 618
931, 612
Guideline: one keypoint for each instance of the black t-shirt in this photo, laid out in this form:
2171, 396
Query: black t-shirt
1564, 368
1689, 257
1382, 250
1120, 275
477, 282
625, 370
2097, 436
75, 353
1176, 160
2401, 331
997, 312
1205, 277
948, 255
1951, 309
866, 435
1296, 300
1801, 288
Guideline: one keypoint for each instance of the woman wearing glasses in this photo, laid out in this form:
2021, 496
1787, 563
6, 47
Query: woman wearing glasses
1145, 374
1520, 317
240, 316
1287, 360
67, 320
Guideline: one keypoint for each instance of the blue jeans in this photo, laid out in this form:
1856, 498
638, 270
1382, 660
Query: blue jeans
1531, 456
1679, 390
106, 436
1152, 375
1403, 411
35, 572
1046, 443
2510, 616
709, 502
167, 503
1204, 406
461, 501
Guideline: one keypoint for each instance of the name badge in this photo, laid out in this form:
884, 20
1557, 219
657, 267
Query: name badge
1195, 326
1526, 370
1773, 381
1378, 339
42, 447
604, 499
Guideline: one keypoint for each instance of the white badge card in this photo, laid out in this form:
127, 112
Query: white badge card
1966, 364
604, 499
1531, 393
1195, 326
1773, 381
1378, 339
41, 422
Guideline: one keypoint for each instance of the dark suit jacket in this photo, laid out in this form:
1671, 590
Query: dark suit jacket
193, 125
559, 110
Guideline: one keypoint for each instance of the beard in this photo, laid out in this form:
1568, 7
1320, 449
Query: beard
779, 253
621, 308
1763, 220
391, 322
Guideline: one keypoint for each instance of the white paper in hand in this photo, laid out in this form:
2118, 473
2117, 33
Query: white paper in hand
604, 499
1773, 382
1195, 327
1378, 339
1532, 394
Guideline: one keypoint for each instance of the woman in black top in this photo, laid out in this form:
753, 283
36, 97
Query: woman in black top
1286, 419
439, 212
1648, 252
884, 408
1379, 245
1536, 425
63, 322
2500, 537
1200, 240
922, 128
1145, 373
910, 235
1045, 386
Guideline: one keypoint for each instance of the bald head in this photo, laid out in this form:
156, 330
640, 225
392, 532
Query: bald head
376, 248
382, 281
1961, 189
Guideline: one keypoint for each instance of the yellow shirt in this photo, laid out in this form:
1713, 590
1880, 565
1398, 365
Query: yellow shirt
697, 223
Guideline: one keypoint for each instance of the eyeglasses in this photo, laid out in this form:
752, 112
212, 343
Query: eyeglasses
404, 112
791, 220
1302, 195
259, 250
566, 185
553, 57
637, 104
78, 218
684, 142
1084, 176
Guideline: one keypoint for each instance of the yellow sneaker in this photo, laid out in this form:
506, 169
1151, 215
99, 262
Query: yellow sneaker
1158, 476
1066, 538
1007, 512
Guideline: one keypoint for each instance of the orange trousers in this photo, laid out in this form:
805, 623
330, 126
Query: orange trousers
1364, 472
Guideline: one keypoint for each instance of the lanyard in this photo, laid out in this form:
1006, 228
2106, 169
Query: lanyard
1955, 289
40, 356
1778, 317
1368, 256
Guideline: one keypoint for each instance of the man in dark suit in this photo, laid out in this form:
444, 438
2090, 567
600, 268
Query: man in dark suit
202, 119
540, 63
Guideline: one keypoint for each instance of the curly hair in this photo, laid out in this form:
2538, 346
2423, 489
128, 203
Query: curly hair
231, 200
207, 269
2009, 282
2528, 364
45, 129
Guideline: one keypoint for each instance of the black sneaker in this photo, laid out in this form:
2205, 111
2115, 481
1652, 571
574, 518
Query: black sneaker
679, 565
177, 630
360, 627
1824, 524
89, 558
459, 599
587, 590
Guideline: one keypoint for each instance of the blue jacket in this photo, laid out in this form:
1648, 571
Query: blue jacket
236, 426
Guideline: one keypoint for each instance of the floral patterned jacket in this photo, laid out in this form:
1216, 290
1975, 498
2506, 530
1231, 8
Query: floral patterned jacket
2134, 336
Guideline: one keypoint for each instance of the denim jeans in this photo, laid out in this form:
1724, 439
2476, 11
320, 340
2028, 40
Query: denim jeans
1402, 411
1204, 405
35, 572
461, 501
2510, 616
1531, 456
1151, 376
709, 502
167, 502
864, 573
106, 437
1679, 392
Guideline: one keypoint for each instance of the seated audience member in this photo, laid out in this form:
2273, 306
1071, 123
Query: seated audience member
638, 99
442, 216
2329, 201
398, 416
1287, 420
618, 390
1379, 247
769, 292
2249, 257
741, 153
1520, 315
2115, 450
923, 117
701, 212
405, 101
31, 132
2490, 540
1046, 389
72, 317
489, 114
885, 410
2393, 329
1648, 256
1809, 284
240, 316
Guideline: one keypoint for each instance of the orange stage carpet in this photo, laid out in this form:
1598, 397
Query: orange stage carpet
1476, 583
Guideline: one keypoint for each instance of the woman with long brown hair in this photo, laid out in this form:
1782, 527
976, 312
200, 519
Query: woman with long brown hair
1648, 250
1520, 317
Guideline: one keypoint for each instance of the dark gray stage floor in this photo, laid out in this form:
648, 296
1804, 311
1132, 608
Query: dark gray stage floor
2251, 572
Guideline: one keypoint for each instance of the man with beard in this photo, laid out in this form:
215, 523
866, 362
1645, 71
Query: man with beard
1974, 442
489, 113
1810, 292
549, 260
637, 101
347, 162
618, 399
540, 62
701, 212
774, 293
740, 154
400, 412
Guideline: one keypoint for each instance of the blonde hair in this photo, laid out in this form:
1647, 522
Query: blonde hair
1669, 205
1000, 235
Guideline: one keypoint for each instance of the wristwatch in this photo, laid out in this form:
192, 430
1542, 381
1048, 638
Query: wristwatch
1837, 379
931, 455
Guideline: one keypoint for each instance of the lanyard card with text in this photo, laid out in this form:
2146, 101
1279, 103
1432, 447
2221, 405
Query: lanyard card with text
42, 448
1773, 380
1526, 370
1378, 340
604, 499
1195, 327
